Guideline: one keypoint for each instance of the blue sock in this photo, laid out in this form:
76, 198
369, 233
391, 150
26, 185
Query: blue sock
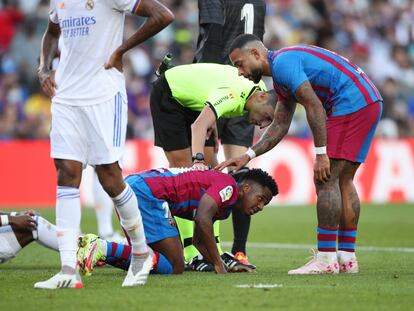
163, 266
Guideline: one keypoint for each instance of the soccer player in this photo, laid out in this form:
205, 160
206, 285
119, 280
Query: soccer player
202, 196
220, 22
18, 230
343, 108
89, 116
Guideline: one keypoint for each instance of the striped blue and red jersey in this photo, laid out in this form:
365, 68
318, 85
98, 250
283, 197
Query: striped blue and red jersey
183, 188
341, 86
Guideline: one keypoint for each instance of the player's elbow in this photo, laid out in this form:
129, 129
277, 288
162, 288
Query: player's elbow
165, 17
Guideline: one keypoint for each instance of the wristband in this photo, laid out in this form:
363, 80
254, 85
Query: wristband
250, 152
320, 150
4, 220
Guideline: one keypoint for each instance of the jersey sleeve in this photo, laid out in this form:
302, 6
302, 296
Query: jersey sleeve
224, 191
211, 12
289, 71
131, 6
53, 13
222, 101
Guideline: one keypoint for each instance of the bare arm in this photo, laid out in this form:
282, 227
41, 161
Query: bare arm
316, 116
49, 46
271, 137
159, 17
204, 234
278, 128
199, 130
315, 113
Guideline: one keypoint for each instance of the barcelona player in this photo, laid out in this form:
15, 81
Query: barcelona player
343, 108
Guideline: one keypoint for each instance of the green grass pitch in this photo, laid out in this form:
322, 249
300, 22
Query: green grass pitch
385, 281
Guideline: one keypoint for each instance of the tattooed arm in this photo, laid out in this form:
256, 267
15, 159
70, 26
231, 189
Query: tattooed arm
316, 116
278, 128
270, 138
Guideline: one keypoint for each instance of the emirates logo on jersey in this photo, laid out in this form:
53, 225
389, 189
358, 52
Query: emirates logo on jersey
89, 4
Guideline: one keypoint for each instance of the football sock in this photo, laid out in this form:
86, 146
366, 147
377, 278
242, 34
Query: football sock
327, 244
45, 234
126, 204
241, 226
119, 256
216, 228
103, 208
186, 228
346, 239
161, 264
68, 216
10, 238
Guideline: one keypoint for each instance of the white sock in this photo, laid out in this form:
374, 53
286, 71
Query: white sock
68, 216
126, 204
327, 257
346, 256
45, 234
9, 246
103, 209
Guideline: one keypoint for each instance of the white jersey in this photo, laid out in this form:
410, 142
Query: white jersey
91, 30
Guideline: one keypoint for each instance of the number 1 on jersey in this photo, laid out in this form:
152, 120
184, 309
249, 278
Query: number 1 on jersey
247, 14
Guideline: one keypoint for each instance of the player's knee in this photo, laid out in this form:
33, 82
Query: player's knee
178, 267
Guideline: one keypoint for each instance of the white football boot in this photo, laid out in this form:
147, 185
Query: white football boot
317, 266
61, 280
139, 269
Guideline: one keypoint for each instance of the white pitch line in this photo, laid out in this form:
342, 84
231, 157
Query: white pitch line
308, 246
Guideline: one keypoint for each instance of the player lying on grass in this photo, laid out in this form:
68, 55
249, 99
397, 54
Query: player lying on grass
18, 230
202, 196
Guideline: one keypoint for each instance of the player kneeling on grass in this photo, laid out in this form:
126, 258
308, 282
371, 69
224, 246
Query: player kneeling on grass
18, 230
202, 196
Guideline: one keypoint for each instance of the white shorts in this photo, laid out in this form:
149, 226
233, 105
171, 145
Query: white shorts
92, 134
9, 246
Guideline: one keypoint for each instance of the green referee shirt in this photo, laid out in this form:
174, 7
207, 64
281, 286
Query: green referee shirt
220, 86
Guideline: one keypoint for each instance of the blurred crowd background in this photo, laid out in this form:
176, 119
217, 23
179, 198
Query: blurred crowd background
376, 35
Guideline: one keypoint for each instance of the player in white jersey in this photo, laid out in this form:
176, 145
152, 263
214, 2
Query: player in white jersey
18, 230
89, 116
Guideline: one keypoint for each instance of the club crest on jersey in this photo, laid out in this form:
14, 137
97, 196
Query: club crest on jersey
89, 4
226, 193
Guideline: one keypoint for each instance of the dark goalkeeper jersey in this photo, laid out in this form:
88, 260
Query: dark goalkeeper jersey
236, 17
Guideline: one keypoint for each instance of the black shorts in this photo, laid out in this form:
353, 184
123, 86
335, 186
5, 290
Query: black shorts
172, 122
236, 131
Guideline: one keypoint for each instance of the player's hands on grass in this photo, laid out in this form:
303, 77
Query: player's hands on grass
23, 222
47, 81
238, 163
115, 61
322, 168
240, 268
220, 268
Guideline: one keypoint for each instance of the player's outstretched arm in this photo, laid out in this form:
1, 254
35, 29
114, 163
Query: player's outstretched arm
159, 17
48, 50
271, 137
203, 232
199, 129
316, 116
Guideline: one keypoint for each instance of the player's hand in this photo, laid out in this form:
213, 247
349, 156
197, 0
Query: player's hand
238, 163
23, 222
30, 212
200, 166
220, 268
47, 81
115, 61
241, 268
322, 168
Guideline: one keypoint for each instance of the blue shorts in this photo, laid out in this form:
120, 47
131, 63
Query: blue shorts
156, 216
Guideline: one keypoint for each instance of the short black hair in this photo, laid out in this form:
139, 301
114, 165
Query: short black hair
241, 40
272, 98
257, 175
